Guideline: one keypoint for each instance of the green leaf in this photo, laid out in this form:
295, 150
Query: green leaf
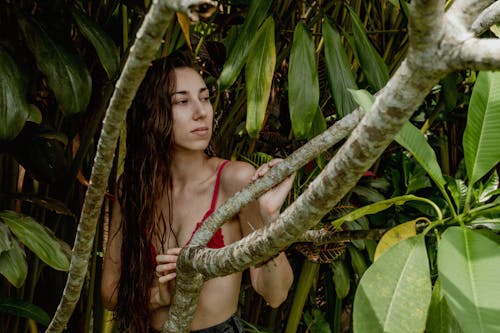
469, 269
395, 292
363, 98
372, 64
65, 70
5, 238
340, 77
38, 239
259, 72
13, 264
14, 107
440, 319
341, 278
458, 190
42, 201
482, 132
415, 142
24, 309
239, 51
489, 187
105, 47
303, 84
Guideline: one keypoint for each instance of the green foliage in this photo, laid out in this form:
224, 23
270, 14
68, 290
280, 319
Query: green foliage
259, 72
395, 291
303, 93
24, 309
14, 109
469, 266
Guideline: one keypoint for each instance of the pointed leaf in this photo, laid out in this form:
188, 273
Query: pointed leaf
13, 264
489, 187
65, 70
259, 72
5, 238
372, 64
303, 84
394, 236
415, 142
14, 107
239, 51
440, 319
458, 190
25, 310
469, 268
105, 47
482, 132
340, 77
395, 292
185, 24
38, 239
363, 98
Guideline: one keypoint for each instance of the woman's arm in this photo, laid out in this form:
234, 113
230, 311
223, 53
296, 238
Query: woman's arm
112, 261
273, 279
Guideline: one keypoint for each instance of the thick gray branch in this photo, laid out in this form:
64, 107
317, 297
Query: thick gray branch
466, 11
486, 19
480, 53
426, 23
141, 54
322, 237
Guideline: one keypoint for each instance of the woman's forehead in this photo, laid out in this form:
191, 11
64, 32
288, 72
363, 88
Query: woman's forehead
186, 78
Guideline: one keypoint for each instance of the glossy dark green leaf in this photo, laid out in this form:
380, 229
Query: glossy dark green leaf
24, 309
340, 77
469, 267
259, 72
303, 85
482, 132
5, 238
372, 64
239, 51
106, 49
14, 107
395, 292
13, 264
65, 70
38, 239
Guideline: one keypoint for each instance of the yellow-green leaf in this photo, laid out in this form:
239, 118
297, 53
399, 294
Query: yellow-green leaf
394, 236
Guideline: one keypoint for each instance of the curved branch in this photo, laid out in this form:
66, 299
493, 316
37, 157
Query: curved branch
466, 11
141, 54
322, 237
486, 19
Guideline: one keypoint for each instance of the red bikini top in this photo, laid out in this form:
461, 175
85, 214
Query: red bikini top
217, 240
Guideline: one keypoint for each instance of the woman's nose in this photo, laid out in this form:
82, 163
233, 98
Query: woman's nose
200, 110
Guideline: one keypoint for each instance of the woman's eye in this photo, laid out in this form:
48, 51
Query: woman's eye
181, 101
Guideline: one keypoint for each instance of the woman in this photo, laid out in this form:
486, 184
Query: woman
169, 186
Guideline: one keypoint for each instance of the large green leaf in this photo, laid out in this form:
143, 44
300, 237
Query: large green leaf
239, 51
482, 132
372, 64
14, 107
65, 70
5, 238
469, 271
303, 84
340, 77
105, 47
25, 310
415, 142
38, 239
13, 264
395, 292
259, 72
440, 319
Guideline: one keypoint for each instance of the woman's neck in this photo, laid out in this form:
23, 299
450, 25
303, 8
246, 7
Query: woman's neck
188, 167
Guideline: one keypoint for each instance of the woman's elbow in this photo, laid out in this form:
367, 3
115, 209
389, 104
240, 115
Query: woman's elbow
109, 297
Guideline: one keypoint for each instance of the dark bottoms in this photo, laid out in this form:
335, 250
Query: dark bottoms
232, 325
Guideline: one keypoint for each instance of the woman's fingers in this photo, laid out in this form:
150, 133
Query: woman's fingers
166, 278
264, 168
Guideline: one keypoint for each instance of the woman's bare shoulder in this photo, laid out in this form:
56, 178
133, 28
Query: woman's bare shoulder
236, 175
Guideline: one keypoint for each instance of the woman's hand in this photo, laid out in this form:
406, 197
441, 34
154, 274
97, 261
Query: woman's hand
165, 273
271, 201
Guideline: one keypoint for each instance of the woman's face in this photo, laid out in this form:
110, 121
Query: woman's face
191, 111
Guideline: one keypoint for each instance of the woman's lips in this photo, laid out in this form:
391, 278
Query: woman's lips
201, 131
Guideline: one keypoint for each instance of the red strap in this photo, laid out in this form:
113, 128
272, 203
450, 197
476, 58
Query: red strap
216, 191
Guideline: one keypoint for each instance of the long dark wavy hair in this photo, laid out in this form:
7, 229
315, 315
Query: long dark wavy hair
145, 180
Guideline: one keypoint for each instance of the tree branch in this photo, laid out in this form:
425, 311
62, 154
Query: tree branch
486, 19
466, 11
480, 53
322, 237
